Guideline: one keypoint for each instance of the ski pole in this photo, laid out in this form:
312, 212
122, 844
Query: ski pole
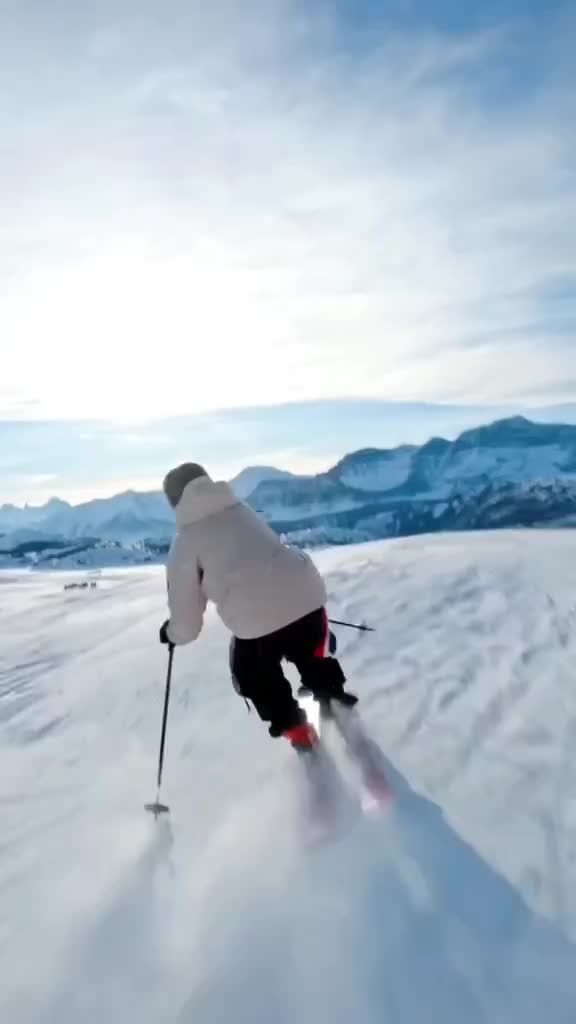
157, 808
352, 625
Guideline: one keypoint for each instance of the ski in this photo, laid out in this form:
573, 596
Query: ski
363, 752
327, 801
321, 796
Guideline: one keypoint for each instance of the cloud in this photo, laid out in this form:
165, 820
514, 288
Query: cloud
249, 207
27, 488
39, 478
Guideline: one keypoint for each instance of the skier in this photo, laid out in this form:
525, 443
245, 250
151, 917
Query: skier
270, 596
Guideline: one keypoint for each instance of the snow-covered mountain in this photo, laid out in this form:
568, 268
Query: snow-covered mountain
513, 472
375, 469
13, 518
513, 450
456, 907
130, 516
248, 480
526, 468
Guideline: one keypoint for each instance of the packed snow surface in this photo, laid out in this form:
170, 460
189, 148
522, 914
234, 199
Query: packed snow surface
458, 906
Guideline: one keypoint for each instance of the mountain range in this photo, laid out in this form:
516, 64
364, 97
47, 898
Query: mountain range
512, 472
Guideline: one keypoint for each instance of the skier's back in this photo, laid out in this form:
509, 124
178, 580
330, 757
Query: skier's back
271, 597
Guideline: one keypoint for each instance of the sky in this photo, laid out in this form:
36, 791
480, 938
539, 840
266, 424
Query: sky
333, 221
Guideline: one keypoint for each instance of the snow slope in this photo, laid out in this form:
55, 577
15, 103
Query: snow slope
458, 907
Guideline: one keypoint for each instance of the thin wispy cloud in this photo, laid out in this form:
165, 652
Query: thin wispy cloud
231, 207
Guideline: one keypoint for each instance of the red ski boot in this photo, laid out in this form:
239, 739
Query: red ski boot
303, 737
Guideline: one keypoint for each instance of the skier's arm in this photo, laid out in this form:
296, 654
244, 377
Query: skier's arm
186, 600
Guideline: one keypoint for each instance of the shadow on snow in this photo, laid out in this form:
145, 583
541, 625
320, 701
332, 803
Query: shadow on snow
397, 920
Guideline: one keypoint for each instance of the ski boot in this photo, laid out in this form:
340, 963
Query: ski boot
303, 737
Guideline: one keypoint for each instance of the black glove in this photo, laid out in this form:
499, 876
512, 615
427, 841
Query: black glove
164, 638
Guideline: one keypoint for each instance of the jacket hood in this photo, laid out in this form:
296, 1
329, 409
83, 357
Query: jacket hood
202, 498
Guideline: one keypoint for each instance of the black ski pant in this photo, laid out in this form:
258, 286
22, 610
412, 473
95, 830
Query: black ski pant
257, 669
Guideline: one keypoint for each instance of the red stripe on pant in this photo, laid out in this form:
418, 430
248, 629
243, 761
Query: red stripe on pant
322, 650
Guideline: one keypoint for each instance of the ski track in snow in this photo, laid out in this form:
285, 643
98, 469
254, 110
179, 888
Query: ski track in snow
458, 906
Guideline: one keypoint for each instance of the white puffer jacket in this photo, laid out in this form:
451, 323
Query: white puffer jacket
223, 552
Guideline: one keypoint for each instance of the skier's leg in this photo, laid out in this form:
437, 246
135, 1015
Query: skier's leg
310, 646
257, 675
